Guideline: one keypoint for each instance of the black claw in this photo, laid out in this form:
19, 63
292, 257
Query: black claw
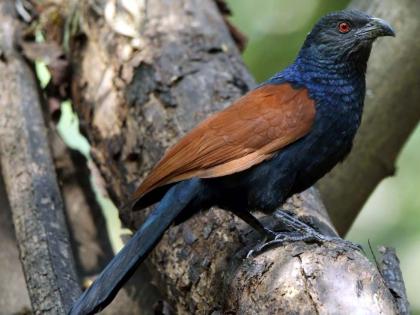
299, 232
311, 237
270, 235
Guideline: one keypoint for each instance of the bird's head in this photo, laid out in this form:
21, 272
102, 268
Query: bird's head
345, 36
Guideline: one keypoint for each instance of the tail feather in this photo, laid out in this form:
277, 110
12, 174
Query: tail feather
123, 265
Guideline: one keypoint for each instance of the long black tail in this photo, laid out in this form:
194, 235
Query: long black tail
123, 265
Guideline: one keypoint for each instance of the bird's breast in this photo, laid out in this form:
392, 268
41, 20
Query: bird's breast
328, 143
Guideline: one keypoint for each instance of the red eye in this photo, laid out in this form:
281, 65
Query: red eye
344, 27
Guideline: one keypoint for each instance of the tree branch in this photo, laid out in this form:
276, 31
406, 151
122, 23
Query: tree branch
391, 113
391, 272
30, 180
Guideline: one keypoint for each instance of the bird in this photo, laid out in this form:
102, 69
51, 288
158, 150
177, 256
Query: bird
275, 141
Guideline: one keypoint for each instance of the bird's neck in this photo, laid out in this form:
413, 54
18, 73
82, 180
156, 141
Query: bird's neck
327, 80
346, 62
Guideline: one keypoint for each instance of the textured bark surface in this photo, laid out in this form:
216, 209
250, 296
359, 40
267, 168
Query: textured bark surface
141, 84
391, 272
392, 111
14, 296
30, 180
308, 279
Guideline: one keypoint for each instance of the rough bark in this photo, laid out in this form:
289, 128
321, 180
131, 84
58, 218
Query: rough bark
135, 95
391, 272
391, 113
14, 296
30, 180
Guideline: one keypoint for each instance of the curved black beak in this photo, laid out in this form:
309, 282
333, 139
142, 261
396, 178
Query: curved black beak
377, 28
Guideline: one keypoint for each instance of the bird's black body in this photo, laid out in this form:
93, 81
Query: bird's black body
331, 68
338, 88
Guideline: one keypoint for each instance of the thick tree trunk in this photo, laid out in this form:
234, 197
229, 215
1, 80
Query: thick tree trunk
140, 84
392, 111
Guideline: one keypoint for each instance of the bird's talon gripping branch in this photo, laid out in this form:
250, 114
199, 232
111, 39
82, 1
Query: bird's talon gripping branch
279, 240
311, 237
269, 235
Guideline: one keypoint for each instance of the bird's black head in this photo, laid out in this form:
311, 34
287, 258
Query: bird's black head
345, 36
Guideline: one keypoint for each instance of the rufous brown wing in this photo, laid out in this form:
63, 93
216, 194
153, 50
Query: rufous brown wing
251, 130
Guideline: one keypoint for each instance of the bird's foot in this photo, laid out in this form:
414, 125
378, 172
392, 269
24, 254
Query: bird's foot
268, 236
299, 231
308, 236
315, 237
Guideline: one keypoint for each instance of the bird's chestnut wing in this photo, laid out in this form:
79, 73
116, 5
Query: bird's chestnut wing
244, 134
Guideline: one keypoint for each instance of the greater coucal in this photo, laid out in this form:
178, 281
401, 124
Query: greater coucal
275, 141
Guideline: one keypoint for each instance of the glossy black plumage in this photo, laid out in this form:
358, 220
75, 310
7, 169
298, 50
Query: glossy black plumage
318, 132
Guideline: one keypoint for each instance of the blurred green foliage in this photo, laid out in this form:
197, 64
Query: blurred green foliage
68, 129
276, 30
